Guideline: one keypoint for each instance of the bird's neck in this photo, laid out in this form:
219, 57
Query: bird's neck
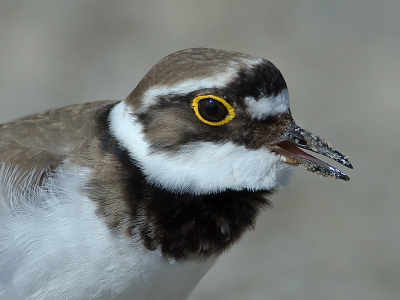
181, 225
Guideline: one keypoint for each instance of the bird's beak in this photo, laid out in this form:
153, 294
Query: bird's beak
295, 138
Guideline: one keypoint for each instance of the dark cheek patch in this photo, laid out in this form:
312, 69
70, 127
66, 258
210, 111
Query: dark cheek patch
167, 128
252, 134
170, 128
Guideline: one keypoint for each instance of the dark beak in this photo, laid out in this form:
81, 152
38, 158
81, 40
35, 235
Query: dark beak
296, 138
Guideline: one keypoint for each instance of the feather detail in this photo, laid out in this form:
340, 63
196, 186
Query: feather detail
53, 245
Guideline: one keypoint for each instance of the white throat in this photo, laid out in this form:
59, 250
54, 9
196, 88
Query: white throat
201, 167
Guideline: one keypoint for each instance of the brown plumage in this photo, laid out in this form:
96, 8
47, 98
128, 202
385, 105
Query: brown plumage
147, 164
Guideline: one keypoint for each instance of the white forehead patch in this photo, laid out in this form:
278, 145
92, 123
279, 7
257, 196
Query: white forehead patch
199, 167
267, 106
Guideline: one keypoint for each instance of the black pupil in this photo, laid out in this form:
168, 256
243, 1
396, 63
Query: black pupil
212, 110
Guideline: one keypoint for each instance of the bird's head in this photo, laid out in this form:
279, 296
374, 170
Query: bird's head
204, 121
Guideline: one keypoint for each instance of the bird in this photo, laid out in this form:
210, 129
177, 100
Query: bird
137, 199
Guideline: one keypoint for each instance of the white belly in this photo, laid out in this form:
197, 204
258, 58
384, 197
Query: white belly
169, 282
54, 246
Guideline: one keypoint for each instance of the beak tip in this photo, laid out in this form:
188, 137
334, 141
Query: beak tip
346, 178
344, 160
336, 173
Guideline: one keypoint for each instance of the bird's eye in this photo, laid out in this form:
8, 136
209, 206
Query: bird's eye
213, 110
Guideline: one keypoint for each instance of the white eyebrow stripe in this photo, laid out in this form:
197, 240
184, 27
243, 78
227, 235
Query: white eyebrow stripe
217, 81
267, 106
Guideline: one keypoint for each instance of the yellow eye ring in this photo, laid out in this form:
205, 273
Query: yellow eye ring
230, 111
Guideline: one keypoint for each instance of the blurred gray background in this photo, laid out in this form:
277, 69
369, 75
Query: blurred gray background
324, 238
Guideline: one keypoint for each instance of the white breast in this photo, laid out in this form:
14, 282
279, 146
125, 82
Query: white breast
54, 246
